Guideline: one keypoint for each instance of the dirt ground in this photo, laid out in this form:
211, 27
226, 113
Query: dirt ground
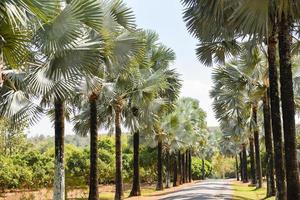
47, 193
82, 193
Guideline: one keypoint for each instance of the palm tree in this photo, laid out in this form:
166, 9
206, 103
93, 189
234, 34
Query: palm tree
275, 115
15, 37
17, 20
68, 51
237, 168
239, 82
164, 57
252, 161
17, 103
15, 32
116, 16
129, 83
161, 107
287, 100
269, 145
154, 77
244, 166
184, 130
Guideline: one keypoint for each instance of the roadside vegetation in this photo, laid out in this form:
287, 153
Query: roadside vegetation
245, 192
27, 165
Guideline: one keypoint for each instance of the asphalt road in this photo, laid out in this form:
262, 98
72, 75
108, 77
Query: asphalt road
204, 190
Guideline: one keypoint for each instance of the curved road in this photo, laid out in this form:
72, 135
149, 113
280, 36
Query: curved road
204, 190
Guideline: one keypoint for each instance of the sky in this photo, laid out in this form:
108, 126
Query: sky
165, 18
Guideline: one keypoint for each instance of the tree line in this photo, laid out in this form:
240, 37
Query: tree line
255, 45
87, 62
30, 163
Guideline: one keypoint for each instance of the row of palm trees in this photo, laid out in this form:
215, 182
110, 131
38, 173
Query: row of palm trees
225, 29
239, 95
85, 61
183, 134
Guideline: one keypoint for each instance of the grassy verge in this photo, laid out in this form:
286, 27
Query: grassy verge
245, 192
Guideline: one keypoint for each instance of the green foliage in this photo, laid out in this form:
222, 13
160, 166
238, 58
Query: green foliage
148, 162
29, 169
197, 168
12, 140
127, 166
77, 166
34, 167
223, 166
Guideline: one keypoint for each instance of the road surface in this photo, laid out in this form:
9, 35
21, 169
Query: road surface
204, 190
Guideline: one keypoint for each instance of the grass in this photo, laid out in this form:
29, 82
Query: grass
246, 192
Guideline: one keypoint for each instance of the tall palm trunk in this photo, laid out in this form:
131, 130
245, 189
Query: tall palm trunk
59, 175
93, 193
203, 169
190, 166
136, 189
241, 166
186, 166
1, 63
276, 116
257, 149
118, 148
288, 108
179, 168
159, 185
237, 168
245, 180
175, 171
269, 146
183, 168
168, 167
252, 161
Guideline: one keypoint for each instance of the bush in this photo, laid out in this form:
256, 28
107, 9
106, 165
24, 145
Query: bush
223, 166
77, 167
31, 169
8, 173
197, 168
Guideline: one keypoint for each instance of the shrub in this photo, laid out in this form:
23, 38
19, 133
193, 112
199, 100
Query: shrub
197, 168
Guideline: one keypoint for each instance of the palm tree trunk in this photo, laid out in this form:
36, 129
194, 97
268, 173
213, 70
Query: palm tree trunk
276, 116
59, 175
136, 189
175, 171
252, 161
183, 168
93, 193
269, 146
241, 166
237, 168
245, 180
257, 149
1, 64
118, 148
179, 168
203, 169
168, 175
159, 185
190, 166
288, 108
186, 167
